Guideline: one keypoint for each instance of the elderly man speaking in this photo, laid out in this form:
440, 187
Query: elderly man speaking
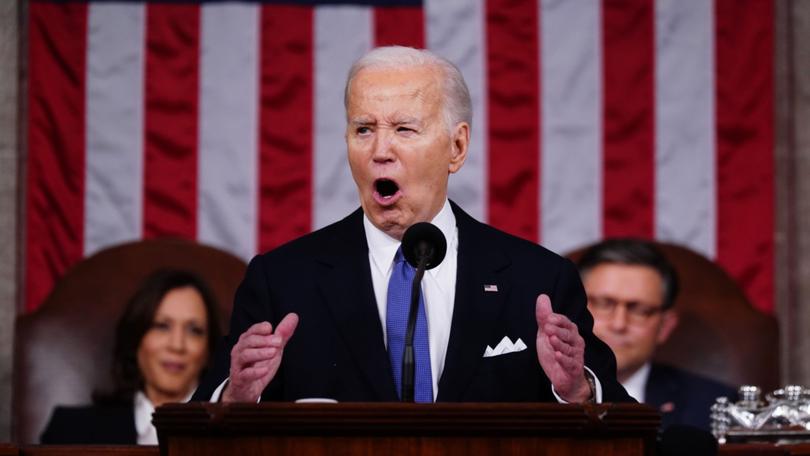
500, 319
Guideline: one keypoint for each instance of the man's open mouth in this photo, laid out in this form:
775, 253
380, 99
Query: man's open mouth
386, 191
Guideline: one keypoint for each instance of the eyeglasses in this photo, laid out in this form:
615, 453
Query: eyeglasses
637, 312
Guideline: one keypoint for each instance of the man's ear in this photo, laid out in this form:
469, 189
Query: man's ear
460, 138
669, 321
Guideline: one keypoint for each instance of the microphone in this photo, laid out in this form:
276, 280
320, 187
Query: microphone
424, 247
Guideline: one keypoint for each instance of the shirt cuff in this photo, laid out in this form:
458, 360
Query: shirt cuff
597, 394
218, 392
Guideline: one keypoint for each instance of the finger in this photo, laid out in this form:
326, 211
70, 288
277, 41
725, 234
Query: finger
258, 330
253, 373
286, 327
562, 321
570, 365
563, 334
559, 345
565, 329
255, 341
275, 341
261, 328
567, 349
253, 355
571, 337
264, 363
553, 330
542, 309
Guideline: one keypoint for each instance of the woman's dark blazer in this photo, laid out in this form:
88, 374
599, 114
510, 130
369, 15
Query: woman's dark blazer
93, 424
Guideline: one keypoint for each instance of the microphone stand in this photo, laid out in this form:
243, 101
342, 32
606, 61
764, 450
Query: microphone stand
408, 362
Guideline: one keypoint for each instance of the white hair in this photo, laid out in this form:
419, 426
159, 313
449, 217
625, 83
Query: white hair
456, 105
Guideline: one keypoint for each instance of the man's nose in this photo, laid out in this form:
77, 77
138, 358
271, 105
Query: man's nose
383, 147
618, 319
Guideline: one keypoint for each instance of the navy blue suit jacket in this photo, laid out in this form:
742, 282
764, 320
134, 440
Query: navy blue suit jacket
338, 351
683, 398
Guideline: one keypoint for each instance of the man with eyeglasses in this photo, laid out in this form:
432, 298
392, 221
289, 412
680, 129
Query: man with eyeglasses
631, 289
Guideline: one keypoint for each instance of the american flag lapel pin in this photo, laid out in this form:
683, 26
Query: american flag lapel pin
491, 288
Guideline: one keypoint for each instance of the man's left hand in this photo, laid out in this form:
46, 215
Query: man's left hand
561, 352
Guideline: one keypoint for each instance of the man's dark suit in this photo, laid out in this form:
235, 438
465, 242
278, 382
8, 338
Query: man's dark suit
338, 349
683, 397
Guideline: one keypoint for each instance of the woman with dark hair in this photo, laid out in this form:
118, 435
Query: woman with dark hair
163, 341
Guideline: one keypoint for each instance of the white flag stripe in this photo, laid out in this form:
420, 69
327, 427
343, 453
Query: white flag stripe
113, 196
571, 126
342, 35
454, 29
685, 206
228, 150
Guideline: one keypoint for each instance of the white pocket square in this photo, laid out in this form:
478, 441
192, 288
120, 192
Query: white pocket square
504, 346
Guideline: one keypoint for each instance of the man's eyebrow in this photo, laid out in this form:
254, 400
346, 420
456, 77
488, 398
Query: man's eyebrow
361, 121
406, 120
394, 120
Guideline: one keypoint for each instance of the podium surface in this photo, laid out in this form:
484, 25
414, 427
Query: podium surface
406, 429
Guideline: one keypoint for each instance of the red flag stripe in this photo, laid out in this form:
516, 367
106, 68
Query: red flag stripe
745, 144
56, 140
403, 25
286, 124
628, 42
170, 123
513, 116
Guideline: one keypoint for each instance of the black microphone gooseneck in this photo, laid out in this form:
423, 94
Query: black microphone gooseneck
424, 247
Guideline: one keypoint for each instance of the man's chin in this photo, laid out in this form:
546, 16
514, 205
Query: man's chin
389, 223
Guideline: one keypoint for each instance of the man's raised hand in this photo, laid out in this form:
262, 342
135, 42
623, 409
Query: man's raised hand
561, 352
255, 359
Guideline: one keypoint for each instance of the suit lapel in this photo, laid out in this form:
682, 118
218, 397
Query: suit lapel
663, 392
347, 289
479, 264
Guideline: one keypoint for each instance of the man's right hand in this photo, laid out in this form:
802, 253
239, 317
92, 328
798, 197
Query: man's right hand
255, 359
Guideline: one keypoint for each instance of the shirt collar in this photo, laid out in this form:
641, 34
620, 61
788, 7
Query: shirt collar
143, 416
637, 383
383, 247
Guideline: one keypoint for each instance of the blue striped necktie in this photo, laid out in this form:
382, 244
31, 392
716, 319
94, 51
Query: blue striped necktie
396, 322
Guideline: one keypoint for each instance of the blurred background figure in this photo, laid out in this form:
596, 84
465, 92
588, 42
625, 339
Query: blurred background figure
164, 340
631, 290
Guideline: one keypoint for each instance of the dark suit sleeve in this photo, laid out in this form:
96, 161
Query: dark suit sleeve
251, 306
569, 299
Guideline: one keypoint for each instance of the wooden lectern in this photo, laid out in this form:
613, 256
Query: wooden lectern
406, 429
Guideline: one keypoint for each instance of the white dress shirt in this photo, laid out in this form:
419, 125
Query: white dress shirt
636, 384
438, 284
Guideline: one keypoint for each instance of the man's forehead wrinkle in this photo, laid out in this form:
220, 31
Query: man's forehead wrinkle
362, 120
420, 92
394, 116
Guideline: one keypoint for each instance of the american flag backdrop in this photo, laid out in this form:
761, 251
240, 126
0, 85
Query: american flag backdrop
223, 122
